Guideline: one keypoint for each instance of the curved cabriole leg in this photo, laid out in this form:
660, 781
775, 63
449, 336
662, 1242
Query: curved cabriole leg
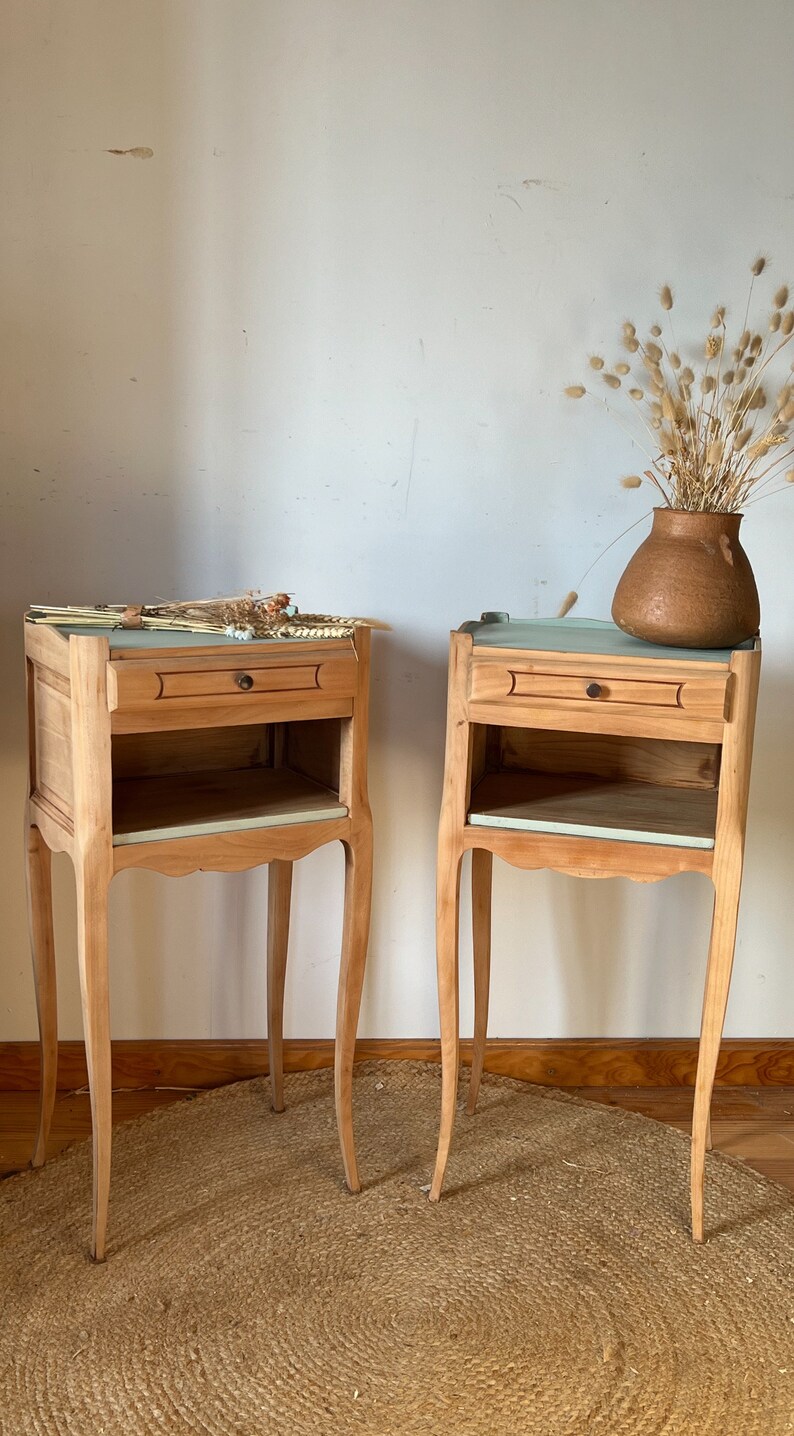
279, 891
42, 943
92, 951
447, 905
481, 881
715, 1002
355, 937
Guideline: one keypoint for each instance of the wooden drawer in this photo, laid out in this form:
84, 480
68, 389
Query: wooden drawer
638, 691
230, 689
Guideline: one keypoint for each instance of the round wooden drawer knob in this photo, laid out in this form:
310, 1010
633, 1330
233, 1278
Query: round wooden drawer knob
244, 680
593, 690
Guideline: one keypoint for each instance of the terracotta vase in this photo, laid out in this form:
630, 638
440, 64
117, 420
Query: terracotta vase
690, 584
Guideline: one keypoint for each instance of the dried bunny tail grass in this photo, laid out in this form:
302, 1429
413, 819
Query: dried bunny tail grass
675, 360
575, 391
636, 394
774, 321
687, 375
567, 604
780, 299
787, 322
655, 331
654, 352
630, 343
708, 384
715, 451
741, 439
631, 481
790, 476
728, 377
611, 380
595, 361
759, 265
622, 368
718, 316
713, 346
666, 297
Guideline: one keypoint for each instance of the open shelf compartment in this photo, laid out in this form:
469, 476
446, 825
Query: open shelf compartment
185, 784
597, 786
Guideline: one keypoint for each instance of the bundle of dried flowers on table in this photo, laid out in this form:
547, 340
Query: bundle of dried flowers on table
246, 616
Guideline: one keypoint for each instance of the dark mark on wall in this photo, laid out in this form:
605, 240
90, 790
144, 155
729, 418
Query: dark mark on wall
138, 152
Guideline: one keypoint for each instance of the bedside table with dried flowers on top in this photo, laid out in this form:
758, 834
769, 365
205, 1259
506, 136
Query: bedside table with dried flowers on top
154, 745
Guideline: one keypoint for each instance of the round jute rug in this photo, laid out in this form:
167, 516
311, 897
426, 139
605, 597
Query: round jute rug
554, 1291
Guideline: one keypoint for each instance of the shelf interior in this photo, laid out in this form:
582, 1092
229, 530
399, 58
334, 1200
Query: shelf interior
148, 809
581, 805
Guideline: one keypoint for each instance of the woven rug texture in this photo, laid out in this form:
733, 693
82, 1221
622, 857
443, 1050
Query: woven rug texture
554, 1290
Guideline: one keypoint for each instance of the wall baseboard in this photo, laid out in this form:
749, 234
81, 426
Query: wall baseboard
577, 1062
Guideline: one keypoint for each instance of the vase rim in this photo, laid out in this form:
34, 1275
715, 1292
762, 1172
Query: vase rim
699, 513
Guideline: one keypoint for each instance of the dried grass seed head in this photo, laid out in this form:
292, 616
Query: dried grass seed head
759, 265
595, 361
780, 299
575, 391
611, 380
787, 322
666, 297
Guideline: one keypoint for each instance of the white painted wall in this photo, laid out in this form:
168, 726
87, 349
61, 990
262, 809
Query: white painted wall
317, 342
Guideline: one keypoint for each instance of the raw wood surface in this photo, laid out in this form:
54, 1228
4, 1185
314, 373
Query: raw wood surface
148, 809
150, 755
588, 857
279, 890
230, 852
610, 755
177, 678
93, 862
587, 806
734, 789
575, 716
160, 716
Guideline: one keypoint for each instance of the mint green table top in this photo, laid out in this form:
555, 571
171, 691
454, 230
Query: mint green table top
168, 638
579, 635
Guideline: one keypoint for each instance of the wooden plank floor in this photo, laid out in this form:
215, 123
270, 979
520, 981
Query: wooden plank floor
753, 1123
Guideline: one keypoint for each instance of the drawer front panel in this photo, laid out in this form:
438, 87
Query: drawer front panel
599, 690
648, 687
231, 682
228, 682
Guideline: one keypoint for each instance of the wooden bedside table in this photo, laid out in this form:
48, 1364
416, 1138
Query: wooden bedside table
572, 746
180, 752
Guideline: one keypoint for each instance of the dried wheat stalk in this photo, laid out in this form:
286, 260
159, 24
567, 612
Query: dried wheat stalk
717, 439
245, 616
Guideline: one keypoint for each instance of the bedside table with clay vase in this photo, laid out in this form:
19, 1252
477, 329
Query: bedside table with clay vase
178, 752
574, 747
